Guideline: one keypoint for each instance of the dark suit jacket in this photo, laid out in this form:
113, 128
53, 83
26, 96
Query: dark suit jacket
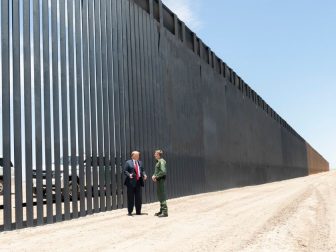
129, 169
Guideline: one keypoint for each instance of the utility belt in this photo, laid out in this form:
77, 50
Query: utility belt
162, 178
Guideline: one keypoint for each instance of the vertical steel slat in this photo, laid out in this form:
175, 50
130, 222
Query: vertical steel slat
183, 33
116, 190
196, 156
73, 195
125, 120
152, 47
116, 100
168, 79
186, 154
122, 155
107, 166
132, 74
148, 99
72, 104
47, 124
86, 89
190, 153
170, 181
17, 115
100, 129
124, 94
128, 75
28, 112
155, 87
151, 8
6, 130
56, 119
196, 160
38, 111
111, 83
201, 151
186, 150
156, 80
194, 43
172, 159
172, 156
149, 94
92, 63
79, 46
180, 151
64, 97
160, 13
150, 108
136, 96
205, 189
180, 164
159, 80
162, 68
143, 98
130, 81
191, 118
201, 51
152, 95
135, 79
176, 31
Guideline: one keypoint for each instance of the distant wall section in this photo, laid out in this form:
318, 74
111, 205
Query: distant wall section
316, 163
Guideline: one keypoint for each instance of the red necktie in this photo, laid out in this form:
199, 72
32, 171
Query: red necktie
136, 170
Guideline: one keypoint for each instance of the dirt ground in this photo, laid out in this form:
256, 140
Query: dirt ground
292, 215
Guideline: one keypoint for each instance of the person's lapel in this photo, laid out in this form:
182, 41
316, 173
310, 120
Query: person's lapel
131, 165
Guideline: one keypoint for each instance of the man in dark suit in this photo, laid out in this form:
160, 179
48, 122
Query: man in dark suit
135, 177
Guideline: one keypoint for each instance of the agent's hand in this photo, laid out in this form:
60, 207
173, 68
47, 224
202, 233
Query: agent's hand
154, 178
131, 176
145, 177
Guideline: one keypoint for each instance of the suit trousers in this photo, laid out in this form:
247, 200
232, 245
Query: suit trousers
134, 197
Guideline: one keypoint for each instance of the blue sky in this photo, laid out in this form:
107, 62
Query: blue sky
285, 50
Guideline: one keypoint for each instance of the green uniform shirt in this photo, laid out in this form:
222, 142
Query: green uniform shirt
160, 168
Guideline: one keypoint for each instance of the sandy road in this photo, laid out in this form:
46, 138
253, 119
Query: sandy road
292, 215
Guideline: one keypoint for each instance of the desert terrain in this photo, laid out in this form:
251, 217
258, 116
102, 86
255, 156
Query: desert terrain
292, 215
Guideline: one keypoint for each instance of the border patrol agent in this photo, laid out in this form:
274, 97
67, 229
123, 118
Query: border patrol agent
159, 178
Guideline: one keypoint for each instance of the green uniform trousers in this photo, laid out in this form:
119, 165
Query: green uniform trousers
161, 194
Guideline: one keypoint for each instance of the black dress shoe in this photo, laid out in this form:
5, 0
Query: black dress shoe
157, 214
129, 214
138, 213
163, 215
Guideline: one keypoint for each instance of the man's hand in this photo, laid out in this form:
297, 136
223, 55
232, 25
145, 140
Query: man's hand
131, 175
145, 177
154, 178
